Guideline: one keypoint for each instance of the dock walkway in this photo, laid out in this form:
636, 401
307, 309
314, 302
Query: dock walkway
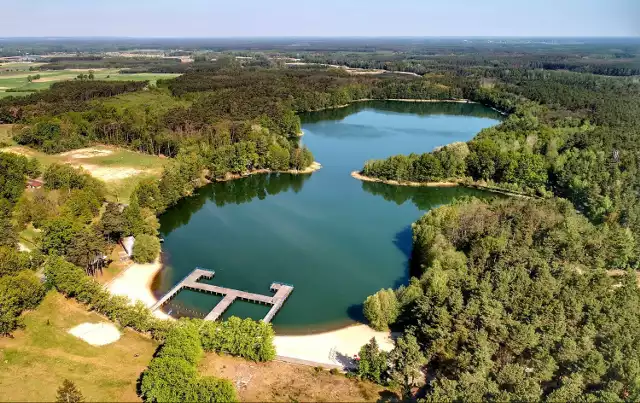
190, 282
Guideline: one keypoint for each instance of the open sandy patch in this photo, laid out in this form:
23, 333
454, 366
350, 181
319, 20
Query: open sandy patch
135, 283
96, 334
336, 348
86, 153
109, 173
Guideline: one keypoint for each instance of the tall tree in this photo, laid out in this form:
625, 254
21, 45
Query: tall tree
68, 392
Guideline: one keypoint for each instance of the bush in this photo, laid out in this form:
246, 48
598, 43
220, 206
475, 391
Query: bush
173, 375
71, 281
18, 293
245, 338
381, 309
210, 389
167, 379
183, 342
146, 248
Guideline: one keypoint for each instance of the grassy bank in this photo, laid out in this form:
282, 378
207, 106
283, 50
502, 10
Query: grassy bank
38, 358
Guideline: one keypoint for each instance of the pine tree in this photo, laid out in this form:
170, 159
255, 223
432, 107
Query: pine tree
69, 393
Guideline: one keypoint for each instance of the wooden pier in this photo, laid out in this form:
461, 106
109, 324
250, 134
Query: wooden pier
190, 282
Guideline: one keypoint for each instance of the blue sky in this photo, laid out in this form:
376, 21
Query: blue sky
216, 18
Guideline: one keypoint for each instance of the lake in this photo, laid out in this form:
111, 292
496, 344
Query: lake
335, 238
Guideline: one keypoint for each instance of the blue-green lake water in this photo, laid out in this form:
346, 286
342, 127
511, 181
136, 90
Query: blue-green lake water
336, 239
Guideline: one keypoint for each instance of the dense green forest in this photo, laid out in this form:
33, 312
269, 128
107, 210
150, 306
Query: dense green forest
512, 302
571, 135
512, 299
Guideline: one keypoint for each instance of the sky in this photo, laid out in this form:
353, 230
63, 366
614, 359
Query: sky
254, 18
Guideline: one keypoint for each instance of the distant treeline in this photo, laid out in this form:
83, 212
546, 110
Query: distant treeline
127, 64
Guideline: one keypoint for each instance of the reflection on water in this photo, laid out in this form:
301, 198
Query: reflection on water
237, 191
336, 239
424, 198
414, 108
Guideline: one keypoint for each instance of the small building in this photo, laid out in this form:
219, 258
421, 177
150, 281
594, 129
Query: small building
34, 184
127, 244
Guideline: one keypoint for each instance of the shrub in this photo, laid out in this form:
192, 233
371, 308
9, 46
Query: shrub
18, 293
146, 248
172, 375
210, 389
71, 281
381, 309
167, 379
245, 338
183, 342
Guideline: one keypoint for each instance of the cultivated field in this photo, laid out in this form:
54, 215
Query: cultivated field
14, 76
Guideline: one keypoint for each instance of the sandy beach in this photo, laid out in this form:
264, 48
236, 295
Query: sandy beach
135, 283
331, 348
336, 347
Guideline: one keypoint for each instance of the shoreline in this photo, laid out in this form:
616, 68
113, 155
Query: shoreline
359, 176
330, 348
413, 100
315, 166
471, 185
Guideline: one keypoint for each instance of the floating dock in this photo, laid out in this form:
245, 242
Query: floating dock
190, 282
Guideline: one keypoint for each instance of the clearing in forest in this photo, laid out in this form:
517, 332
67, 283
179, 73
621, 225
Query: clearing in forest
120, 169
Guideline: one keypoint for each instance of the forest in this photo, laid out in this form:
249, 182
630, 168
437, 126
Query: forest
527, 299
511, 301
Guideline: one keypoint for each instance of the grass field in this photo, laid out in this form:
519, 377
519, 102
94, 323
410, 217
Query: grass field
14, 76
5, 135
37, 359
120, 169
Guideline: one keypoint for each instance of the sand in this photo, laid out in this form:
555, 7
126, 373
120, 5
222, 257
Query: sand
135, 282
86, 153
108, 173
336, 347
96, 334
333, 348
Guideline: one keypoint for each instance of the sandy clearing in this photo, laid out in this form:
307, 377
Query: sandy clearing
109, 173
334, 348
86, 153
96, 334
135, 282
23, 248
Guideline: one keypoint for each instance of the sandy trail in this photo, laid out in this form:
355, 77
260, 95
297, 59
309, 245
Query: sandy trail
333, 348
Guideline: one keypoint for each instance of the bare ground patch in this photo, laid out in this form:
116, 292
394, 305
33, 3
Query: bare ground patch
87, 153
278, 381
109, 173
